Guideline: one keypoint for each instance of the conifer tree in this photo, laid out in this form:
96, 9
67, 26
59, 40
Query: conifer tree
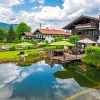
11, 35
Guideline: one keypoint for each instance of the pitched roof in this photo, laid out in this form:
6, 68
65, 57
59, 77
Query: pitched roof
28, 33
53, 32
68, 26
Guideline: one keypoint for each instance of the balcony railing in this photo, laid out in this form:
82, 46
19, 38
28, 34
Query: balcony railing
86, 26
94, 38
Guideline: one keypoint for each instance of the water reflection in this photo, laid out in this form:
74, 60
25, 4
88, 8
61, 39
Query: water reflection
35, 82
86, 76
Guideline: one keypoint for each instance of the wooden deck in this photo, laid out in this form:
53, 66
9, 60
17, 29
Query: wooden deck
68, 58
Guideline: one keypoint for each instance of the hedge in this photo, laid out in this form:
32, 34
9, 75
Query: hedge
92, 56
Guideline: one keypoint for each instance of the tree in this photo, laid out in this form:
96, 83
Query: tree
57, 39
3, 34
11, 35
74, 38
22, 27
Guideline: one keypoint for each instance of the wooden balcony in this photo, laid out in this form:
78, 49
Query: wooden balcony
86, 26
94, 38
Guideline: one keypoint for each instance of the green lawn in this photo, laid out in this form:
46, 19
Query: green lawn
14, 54
8, 44
11, 55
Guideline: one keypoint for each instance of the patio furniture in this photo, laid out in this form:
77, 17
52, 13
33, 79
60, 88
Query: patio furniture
21, 53
58, 53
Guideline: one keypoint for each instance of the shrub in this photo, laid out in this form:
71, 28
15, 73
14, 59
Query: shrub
12, 48
74, 38
5, 41
57, 39
92, 55
29, 47
46, 41
16, 41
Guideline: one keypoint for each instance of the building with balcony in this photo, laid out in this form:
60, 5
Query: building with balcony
85, 27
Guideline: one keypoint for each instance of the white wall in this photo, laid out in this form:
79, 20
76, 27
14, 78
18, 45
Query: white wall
49, 38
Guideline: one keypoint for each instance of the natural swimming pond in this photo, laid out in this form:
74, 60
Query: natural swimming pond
40, 81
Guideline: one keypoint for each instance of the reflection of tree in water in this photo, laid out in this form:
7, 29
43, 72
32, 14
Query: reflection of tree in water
88, 77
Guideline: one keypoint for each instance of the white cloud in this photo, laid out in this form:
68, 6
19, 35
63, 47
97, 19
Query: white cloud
5, 93
52, 17
49, 13
10, 2
11, 74
41, 1
78, 7
32, 0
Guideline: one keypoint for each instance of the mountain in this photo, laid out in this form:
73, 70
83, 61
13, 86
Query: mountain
6, 26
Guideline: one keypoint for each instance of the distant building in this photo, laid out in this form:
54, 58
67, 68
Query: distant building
85, 27
50, 34
27, 36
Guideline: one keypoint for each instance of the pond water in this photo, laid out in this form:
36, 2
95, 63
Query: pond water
40, 81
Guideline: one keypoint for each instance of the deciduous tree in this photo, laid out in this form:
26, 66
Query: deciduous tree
57, 39
22, 27
74, 38
3, 34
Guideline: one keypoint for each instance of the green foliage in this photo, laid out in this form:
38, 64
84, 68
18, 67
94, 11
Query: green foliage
29, 47
12, 48
74, 38
11, 35
42, 46
5, 41
92, 55
3, 34
35, 42
4, 55
16, 41
20, 41
57, 39
46, 41
22, 27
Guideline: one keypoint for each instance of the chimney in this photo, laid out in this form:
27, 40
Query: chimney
99, 16
47, 28
40, 25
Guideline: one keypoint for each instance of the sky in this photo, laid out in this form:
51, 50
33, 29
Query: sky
53, 14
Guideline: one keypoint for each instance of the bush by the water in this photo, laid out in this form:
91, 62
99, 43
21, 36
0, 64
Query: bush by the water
12, 48
92, 55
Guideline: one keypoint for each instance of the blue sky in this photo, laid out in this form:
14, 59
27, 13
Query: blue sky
27, 6
50, 13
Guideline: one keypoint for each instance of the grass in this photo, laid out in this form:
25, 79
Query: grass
8, 44
14, 54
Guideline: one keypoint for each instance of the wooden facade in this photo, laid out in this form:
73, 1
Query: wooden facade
85, 27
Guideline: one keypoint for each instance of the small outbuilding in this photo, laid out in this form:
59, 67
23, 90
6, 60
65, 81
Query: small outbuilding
27, 36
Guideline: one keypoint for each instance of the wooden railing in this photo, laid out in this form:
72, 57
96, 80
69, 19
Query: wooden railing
94, 38
86, 26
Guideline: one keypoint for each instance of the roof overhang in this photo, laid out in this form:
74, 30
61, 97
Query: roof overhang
76, 21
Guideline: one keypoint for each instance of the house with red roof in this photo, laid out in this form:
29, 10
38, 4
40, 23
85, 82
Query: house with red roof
50, 34
27, 36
